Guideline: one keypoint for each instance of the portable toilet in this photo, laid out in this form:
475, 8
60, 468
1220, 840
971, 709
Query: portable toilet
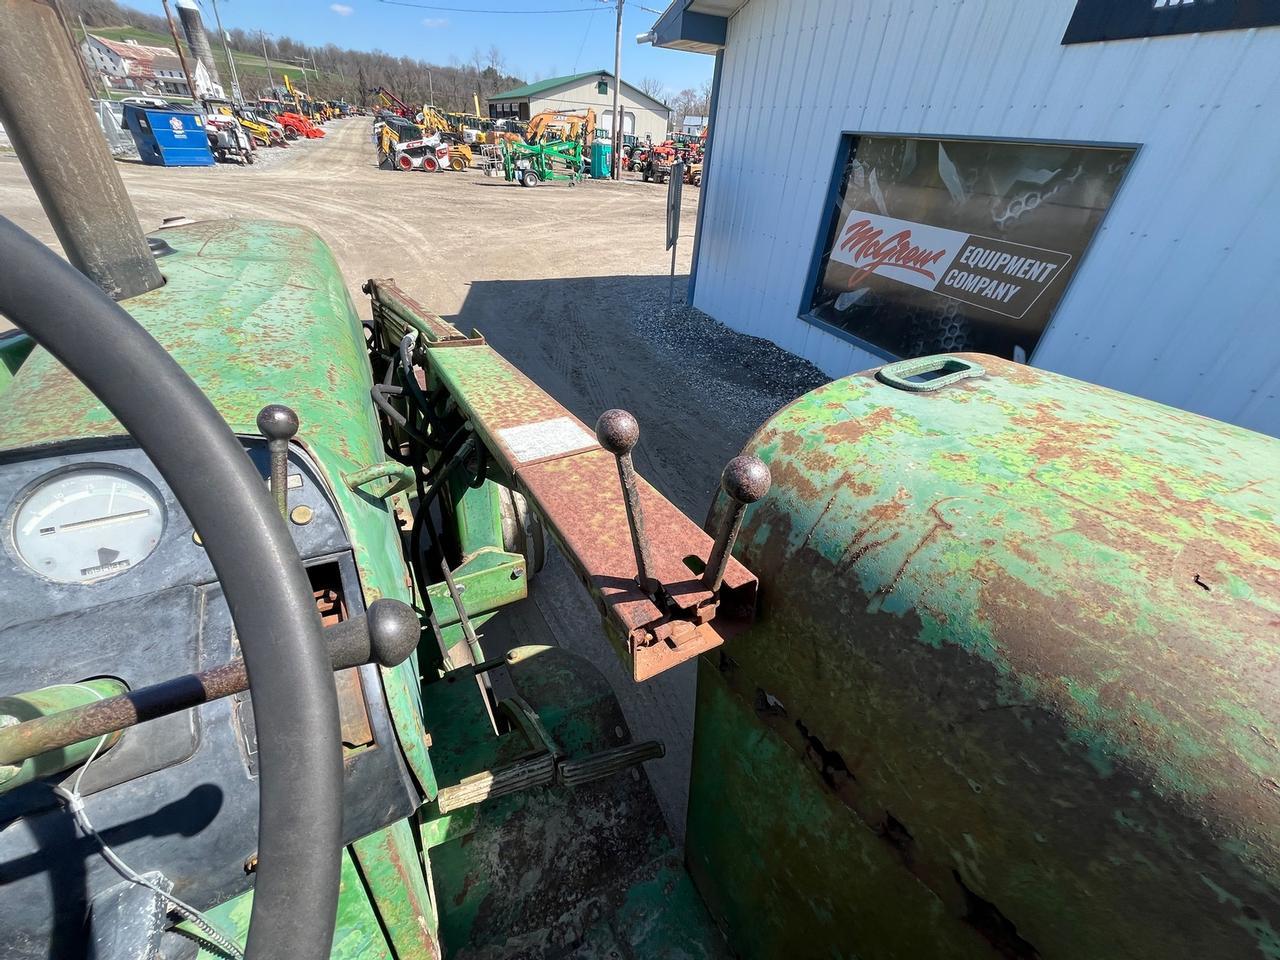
168, 137
601, 156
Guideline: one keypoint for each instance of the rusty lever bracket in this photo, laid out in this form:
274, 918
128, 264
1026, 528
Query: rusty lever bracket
640, 557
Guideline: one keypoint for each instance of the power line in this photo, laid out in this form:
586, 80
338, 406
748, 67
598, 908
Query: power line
432, 6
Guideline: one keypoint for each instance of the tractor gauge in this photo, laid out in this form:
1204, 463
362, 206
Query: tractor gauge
87, 524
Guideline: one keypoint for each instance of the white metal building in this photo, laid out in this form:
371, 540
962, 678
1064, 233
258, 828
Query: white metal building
1092, 180
642, 115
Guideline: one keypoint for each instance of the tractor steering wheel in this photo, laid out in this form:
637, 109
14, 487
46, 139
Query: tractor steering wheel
290, 675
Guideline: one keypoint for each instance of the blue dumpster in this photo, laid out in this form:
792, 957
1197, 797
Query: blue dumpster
172, 137
601, 155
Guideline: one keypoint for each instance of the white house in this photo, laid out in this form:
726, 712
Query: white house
642, 115
1085, 185
692, 125
127, 64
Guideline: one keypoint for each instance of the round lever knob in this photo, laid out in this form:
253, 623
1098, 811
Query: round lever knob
746, 479
394, 631
277, 422
617, 431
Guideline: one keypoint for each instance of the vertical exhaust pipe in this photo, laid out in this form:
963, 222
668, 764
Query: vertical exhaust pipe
56, 136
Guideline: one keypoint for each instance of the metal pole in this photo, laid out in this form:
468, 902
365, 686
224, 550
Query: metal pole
66, 158
431, 86
66, 28
84, 33
182, 59
236, 95
270, 81
617, 102
671, 289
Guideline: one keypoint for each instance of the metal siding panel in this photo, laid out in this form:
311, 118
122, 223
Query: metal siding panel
1173, 301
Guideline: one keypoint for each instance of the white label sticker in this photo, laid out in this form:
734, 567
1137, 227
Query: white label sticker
548, 438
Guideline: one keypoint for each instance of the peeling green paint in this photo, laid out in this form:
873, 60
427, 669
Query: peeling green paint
357, 935
1018, 635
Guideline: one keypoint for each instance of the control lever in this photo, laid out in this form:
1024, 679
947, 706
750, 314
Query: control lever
618, 432
387, 634
745, 480
279, 424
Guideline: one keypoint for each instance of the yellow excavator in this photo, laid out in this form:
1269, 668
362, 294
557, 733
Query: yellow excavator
554, 125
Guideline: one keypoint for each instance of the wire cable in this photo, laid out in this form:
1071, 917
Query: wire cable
75, 806
432, 6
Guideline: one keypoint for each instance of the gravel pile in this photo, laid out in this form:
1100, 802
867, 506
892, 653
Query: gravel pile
748, 378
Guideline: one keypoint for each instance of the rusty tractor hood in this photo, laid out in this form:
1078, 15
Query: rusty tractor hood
1017, 663
255, 311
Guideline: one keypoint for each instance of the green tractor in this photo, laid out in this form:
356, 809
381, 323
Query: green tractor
987, 658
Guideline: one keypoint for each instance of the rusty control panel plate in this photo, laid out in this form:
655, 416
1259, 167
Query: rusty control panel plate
573, 483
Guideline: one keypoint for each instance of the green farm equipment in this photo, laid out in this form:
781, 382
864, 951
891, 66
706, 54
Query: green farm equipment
986, 657
530, 164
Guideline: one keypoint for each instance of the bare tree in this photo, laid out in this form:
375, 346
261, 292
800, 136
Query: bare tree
654, 87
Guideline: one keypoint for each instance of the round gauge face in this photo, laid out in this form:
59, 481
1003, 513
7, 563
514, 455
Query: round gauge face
88, 524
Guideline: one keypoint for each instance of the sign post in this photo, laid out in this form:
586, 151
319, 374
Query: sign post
675, 190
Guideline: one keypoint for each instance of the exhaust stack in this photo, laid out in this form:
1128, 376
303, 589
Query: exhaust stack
57, 137
197, 39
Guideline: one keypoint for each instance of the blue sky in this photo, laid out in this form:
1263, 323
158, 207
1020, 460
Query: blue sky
535, 44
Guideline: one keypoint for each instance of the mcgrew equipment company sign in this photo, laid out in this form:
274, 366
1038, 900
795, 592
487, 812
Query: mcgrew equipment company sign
1003, 277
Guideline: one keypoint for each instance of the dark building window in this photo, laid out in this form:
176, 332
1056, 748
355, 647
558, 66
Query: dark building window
932, 245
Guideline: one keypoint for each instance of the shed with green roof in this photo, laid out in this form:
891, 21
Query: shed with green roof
642, 115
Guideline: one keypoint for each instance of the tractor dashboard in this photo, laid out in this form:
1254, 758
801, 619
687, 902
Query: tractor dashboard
102, 575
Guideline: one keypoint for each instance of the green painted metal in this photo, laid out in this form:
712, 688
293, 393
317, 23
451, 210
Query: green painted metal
400, 476
492, 579
1012, 692
544, 159
552, 870
357, 936
257, 312
489, 577
46, 702
393, 875
15, 347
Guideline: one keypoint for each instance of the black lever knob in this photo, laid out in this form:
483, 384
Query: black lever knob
279, 425
386, 635
745, 480
619, 432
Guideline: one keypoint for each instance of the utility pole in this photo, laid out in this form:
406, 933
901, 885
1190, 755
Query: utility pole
84, 38
84, 71
306, 81
236, 95
182, 59
617, 102
270, 81
431, 86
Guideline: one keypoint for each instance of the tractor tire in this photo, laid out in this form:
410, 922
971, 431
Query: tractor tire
646, 175
404, 162
530, 179
457, 164
430, 164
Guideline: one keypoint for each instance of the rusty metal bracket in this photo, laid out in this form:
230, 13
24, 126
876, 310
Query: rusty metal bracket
402, 313
556, 461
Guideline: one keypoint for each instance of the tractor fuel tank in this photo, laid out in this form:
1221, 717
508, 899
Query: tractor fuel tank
1013, 691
